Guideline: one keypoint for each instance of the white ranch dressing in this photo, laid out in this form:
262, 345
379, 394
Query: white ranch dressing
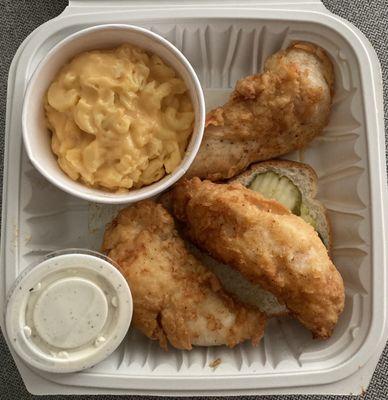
68, 312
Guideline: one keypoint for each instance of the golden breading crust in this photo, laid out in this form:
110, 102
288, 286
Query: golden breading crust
305, 179
176, 299
268, 114
267, 244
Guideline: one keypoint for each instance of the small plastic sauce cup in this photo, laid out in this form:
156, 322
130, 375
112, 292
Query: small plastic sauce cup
69, 311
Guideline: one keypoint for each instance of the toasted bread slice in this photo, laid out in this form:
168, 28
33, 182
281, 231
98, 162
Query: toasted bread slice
304, 179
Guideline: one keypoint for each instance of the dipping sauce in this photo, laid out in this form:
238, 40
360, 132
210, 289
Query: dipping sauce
120, 118
68, 312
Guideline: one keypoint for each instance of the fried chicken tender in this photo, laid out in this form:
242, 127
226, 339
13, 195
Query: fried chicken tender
268, 114
176, 299
267, 244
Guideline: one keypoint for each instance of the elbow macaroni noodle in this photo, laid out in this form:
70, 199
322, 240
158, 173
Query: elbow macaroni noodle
119, 118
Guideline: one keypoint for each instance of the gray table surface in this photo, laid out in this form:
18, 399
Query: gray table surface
20, 17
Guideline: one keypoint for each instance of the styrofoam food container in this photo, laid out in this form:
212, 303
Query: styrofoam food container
223, 42
37, 139
69, 311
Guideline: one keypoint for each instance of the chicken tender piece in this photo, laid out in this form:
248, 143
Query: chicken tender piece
267, 244
176, 299
268, 114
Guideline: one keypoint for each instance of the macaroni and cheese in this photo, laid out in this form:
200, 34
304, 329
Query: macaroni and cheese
119, 118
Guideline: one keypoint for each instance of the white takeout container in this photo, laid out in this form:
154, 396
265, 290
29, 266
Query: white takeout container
36, 136
69, 311
223, 42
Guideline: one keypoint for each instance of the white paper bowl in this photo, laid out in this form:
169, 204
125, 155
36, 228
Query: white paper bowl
36, 136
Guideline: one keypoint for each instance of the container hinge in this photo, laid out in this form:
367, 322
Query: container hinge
81, 6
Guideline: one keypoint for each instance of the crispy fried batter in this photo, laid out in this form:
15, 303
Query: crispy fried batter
268, 114
267, 244
175, 298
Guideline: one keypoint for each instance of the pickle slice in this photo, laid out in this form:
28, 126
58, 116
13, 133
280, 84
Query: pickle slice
279, 188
